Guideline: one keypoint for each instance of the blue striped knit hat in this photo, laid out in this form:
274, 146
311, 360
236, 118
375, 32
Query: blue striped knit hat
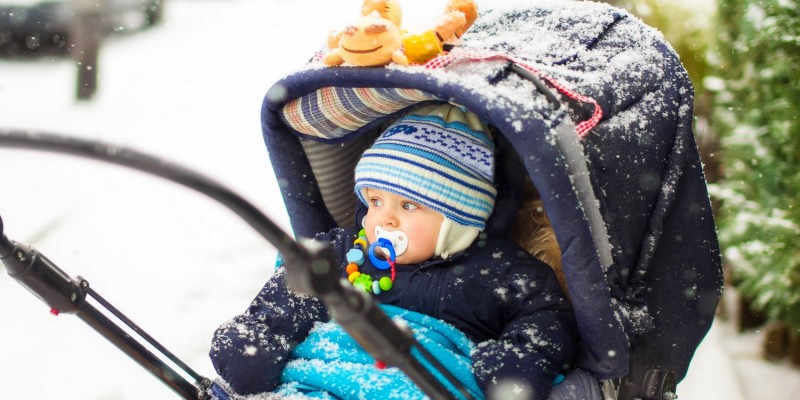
439, 156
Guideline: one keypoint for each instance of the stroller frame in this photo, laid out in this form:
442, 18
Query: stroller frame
310, 266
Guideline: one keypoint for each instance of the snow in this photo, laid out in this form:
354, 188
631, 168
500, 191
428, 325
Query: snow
175, 262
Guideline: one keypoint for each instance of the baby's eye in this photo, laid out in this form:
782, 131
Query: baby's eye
376, 202
409, 206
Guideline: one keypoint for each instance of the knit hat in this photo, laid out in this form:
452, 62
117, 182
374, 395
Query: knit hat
441, 157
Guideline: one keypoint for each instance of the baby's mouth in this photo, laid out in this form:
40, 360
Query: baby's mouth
398, 238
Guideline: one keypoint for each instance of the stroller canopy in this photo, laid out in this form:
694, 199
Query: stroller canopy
607, 142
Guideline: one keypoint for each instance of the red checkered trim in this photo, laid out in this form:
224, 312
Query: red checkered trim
582, 127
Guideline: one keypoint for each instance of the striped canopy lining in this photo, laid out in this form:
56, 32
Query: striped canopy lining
326, 117
333, 166
332, 113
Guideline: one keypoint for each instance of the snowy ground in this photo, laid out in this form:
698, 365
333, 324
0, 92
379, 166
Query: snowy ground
175, 262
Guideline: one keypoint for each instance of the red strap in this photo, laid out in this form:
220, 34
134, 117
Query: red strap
582, 127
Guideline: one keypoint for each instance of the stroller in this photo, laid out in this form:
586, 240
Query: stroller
591, 105
596, 109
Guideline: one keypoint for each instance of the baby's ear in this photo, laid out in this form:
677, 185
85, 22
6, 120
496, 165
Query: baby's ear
361, 214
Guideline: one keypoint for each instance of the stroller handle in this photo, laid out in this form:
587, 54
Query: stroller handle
134, 159
309, 265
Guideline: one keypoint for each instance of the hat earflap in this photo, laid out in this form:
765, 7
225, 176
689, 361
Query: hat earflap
454, 238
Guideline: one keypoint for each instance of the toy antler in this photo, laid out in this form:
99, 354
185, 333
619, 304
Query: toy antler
470, 11
459, 15
388, 9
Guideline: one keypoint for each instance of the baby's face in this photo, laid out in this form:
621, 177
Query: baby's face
395, 213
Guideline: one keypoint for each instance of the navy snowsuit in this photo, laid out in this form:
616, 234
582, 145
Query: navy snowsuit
509, 303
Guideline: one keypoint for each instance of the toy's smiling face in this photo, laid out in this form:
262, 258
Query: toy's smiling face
370, 41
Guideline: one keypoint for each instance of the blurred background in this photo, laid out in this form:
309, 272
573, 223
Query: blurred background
184, 79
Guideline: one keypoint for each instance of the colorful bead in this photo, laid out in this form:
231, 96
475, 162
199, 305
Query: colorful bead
361, 241
355, 256
362, 232
352, 267
363, 282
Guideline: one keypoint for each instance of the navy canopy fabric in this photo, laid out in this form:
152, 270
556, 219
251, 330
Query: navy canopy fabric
654, 303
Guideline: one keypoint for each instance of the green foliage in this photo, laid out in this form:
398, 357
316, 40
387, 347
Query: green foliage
758, 60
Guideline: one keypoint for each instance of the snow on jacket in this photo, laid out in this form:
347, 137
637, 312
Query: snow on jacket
509, 303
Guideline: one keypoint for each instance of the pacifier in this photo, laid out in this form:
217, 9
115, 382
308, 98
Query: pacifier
386, 246
398, 239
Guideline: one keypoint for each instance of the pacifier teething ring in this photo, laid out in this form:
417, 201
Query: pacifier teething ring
378, 263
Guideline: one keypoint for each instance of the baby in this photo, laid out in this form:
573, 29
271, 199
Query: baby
427, 182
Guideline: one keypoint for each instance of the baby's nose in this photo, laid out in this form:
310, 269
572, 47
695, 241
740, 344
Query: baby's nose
389, 219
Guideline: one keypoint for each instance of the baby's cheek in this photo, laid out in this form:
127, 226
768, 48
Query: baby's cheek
369, 228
